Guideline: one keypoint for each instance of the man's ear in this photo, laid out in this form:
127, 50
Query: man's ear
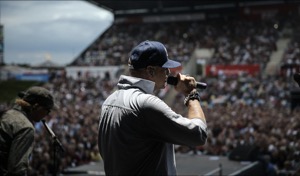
150, 70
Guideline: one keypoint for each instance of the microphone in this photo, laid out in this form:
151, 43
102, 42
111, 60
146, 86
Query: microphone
297, 78
53, 135
174, 80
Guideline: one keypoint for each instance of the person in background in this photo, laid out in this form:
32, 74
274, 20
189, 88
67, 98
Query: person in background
17, 129
137, 130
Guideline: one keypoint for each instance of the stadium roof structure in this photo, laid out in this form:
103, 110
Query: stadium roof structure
156, 11
144, 7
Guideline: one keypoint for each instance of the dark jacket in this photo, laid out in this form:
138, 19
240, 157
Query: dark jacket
16, 142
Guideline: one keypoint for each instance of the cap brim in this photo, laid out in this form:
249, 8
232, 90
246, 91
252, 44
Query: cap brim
55, 106
21, 94
171, 64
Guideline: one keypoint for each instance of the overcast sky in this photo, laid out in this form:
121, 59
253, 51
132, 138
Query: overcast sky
58, 30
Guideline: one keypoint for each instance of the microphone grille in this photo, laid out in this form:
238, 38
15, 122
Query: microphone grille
172, 80
297, 77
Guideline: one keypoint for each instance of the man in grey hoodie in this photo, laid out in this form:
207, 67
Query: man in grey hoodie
137, 130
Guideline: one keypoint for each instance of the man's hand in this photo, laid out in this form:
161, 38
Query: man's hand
186, 84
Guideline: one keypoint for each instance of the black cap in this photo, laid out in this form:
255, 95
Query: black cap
38, 95
150, 53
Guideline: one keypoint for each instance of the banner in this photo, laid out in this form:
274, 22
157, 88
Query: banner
229, 70
42, 77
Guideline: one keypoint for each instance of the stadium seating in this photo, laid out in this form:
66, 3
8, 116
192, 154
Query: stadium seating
240, 109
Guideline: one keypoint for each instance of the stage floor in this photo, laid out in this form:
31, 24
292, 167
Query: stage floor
187, 164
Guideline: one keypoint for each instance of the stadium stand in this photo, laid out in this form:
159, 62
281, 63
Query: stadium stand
249, 115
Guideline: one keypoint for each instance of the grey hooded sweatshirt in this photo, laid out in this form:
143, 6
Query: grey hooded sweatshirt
137, 131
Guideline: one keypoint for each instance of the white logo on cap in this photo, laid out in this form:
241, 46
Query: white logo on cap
166, 50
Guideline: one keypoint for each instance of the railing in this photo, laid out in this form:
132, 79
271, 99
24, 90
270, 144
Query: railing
215, 171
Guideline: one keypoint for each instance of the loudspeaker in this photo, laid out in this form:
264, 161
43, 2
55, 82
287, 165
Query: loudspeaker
244, 153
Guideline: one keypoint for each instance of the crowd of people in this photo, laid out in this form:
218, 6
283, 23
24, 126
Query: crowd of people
235, 41
255, 112
290, 62
240, 109
75, 123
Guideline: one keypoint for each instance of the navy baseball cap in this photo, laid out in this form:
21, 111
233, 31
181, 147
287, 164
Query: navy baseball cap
150, 53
